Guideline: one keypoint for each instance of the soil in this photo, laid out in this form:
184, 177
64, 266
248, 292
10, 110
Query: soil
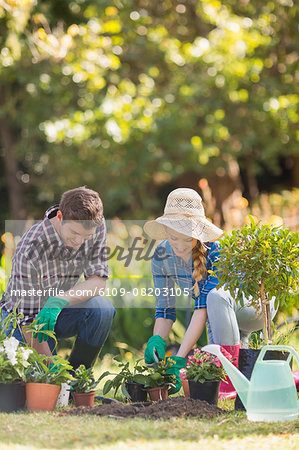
163, 409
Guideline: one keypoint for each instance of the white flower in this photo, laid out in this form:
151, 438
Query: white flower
12, 357
26, 353
11, 344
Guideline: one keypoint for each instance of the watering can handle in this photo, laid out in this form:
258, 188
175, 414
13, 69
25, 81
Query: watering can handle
285, 348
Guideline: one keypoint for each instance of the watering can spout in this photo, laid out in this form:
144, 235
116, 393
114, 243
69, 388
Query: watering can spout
239, 381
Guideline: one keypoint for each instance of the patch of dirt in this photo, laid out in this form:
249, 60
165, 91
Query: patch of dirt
163, 409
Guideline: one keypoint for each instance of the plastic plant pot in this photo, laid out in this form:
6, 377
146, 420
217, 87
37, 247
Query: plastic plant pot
159, 393
207, 391
63, 397
41, 396
137, 392
12, 397
84, 398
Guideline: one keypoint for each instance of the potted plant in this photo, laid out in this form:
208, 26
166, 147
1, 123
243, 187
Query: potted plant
158, 381
204, 373
263, 260
83, 386
130, 381
44, 376
14, 360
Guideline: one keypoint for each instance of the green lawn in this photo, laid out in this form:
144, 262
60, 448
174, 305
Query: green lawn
29, 431
53, 431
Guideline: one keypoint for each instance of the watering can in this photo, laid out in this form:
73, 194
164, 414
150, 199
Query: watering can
271, 394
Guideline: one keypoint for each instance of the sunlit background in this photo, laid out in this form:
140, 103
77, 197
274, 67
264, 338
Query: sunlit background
136, 98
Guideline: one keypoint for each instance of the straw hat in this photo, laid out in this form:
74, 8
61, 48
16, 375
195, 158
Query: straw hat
185, 214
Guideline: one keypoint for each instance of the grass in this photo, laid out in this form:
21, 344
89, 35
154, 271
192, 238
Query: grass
51, 431
30, 431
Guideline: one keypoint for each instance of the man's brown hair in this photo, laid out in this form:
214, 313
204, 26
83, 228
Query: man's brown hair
82, 204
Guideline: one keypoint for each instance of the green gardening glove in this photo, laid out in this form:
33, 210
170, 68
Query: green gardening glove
158, 343
48, 315
179, 363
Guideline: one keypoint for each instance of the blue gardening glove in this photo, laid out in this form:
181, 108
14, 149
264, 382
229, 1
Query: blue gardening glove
179, 363
158, 343
48, 315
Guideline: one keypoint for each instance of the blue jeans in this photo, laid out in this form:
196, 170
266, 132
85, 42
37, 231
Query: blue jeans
91, 321
229, 323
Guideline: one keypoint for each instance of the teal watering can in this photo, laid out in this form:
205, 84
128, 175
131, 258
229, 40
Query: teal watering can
271, 394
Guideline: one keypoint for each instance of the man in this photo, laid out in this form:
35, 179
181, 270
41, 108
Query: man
48, 261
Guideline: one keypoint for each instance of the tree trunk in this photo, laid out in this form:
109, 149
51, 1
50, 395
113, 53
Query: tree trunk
253, 190
295, 171
14, 186
266, 314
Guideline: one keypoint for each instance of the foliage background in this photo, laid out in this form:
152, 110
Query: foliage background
136, 97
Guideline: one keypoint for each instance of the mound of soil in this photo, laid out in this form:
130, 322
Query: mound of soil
163, 409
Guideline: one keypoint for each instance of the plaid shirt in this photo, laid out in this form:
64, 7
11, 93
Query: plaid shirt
42, 261
170, 269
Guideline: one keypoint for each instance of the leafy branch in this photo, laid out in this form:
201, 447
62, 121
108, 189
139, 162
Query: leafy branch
260, 262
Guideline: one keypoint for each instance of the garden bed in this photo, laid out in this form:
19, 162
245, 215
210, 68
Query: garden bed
163, 409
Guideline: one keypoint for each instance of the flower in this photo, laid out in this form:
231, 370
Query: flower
182, 373
13, 360
202, 366
26, 353
11, 344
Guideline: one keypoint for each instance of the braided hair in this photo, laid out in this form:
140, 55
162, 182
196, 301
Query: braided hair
199, 261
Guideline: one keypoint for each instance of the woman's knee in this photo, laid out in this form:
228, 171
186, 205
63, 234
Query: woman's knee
217, 301
223, 325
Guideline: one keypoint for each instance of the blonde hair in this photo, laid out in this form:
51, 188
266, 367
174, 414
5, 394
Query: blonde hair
199, 261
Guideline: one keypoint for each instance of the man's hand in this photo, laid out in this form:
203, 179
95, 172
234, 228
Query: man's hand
158, 343
48, 315
179, 363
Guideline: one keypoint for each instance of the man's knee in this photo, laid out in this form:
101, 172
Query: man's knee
102, 306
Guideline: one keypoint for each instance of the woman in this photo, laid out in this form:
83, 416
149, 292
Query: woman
187, 258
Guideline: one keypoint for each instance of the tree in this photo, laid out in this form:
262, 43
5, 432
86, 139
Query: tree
133, 94
259, 262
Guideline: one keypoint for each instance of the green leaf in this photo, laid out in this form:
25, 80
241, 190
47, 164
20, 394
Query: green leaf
124, 391
107, 387
141, 379
103, 375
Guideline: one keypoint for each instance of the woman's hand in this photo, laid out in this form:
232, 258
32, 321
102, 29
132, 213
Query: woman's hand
157, 341
193, 332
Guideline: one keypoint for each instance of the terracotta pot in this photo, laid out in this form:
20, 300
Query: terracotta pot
41, 396
12, 397
186, 390
84, 398
207, 391
159, 393
137, 392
